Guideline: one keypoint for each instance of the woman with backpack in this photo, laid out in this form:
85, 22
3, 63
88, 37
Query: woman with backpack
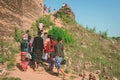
25, 51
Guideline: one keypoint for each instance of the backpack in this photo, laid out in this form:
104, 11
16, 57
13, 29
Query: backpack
24, 45
63, 62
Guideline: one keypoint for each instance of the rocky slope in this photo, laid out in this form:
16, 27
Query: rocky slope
67, 10
19, 13
93, 56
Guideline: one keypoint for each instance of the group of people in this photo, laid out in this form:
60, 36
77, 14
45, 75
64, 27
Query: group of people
40, 48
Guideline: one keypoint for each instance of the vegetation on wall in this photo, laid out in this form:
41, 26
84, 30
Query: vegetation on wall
45, 20
65, 18
7, 53
18, 34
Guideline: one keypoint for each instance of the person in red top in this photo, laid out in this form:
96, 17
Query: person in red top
50, 50
45, 43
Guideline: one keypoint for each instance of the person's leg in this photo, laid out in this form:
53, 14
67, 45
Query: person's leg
35, 62
37, 59
60, 70
41, 61
51, 64
35, 67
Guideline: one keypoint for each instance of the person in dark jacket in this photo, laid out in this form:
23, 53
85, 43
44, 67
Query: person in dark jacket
38, 47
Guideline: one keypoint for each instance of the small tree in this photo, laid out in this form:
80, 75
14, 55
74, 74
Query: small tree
104, 34
91, 29
18, 35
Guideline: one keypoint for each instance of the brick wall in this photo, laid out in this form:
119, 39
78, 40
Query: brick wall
18, 13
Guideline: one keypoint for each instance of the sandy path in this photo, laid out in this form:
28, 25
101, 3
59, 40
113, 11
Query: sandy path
41, 74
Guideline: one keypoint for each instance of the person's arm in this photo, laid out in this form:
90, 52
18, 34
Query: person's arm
33, 43
58, 50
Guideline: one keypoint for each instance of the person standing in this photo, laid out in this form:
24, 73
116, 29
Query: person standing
38, 47
24, 51
25, 42
59, 55
50, 50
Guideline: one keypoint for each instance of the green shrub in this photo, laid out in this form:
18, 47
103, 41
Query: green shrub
18, 34
10, 64
115, 38
11, 60
104, 34
66, 71
91, 29
65, 17
3, 51
34, 29
7, 53
64, 34
3, 59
